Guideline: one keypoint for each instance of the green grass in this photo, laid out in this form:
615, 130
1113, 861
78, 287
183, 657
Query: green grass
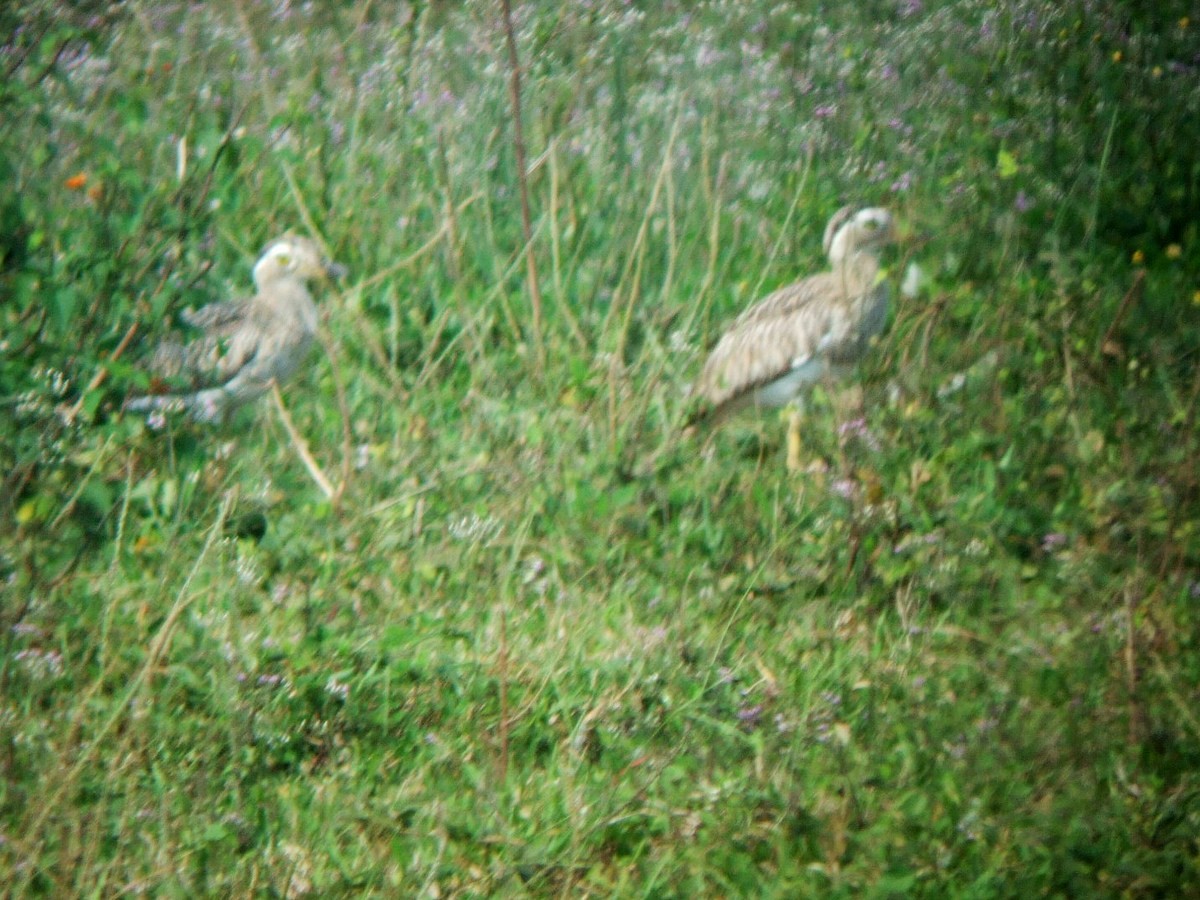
542, 645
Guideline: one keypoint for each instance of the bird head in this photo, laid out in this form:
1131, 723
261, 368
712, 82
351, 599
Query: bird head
295, 257
855, 231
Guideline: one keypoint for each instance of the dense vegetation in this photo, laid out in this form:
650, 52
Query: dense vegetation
538, 643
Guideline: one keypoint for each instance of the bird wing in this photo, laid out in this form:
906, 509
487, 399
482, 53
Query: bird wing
783, 331
230, 336
244, 347
226, 370
217, 316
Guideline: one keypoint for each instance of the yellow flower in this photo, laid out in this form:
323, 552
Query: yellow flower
1138, 257
1117, 56
1184, 22
1156, 71
1174, 251
1196, 298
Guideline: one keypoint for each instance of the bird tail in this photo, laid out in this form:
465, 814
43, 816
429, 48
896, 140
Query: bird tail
203, 406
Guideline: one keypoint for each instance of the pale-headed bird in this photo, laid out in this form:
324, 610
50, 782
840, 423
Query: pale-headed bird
817, 328
247, 344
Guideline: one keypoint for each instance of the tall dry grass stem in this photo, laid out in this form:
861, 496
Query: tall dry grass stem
535, 291
564, 303
628, 289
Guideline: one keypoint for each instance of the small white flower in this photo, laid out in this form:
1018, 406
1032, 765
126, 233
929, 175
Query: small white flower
914, 281
336, 688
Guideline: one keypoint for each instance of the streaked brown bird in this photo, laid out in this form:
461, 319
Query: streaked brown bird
814, 329
248, 344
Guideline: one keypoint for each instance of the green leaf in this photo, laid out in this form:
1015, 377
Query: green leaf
63, 302
1006, 164
97, 495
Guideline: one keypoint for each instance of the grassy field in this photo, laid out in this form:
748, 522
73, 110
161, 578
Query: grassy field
539, 643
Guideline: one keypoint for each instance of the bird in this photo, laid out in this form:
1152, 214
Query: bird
246, 345
813, 329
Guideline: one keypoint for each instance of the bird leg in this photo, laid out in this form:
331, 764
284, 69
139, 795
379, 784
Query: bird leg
793, 439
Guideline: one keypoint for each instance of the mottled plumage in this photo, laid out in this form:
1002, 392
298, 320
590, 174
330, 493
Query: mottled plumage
809, 330
245, 345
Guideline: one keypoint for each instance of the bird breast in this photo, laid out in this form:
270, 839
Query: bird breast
869, 314
287, 305
795, 335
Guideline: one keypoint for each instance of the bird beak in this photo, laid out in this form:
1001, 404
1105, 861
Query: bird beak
335, 270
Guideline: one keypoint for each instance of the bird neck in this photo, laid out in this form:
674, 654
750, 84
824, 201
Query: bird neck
289, 298
857, 269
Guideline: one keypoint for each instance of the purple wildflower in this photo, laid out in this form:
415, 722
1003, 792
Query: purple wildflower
750, 715
844, 488
1053, 541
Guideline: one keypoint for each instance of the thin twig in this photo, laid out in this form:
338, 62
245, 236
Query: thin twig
101, 374
450, 229
535, 291
328, 344
339, 391
785, 231
310, 224
301, 448
384, 362
1131, 669
251, 36
302, 206
564, 305
69, 506
470, 326
629, 286
503, 667
425, 248
1132, 294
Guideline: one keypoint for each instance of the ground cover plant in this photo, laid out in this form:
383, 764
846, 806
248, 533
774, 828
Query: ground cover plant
531, 640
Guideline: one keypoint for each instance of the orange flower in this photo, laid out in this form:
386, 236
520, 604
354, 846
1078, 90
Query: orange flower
75, 182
